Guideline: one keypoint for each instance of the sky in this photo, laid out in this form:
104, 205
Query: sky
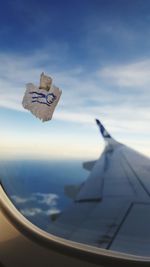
98, 54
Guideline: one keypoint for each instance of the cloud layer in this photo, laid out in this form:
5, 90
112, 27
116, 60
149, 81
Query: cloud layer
118, 94
111, 89
27, 204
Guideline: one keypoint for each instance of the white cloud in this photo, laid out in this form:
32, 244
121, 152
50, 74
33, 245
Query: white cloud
119, 95
22, 200
16, 71
49, 199
136, 75
29, 212
52, 211
79, 91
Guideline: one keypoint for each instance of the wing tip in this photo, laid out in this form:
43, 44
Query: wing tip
102, 129
98, 121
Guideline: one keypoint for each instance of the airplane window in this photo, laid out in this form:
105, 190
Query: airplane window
75, 157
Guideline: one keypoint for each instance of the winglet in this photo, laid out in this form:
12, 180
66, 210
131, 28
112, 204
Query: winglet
107, 137
103, 131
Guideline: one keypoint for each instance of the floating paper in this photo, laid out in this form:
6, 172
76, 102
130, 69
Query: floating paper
41, 101
45, 82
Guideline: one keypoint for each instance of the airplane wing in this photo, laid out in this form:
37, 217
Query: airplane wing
88, 165
111, 210
72, 190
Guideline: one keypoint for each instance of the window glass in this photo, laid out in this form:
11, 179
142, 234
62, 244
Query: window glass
77, 178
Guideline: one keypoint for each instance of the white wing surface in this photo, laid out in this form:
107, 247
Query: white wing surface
112, 208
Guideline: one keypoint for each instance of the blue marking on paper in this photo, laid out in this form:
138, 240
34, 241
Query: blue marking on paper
42, 98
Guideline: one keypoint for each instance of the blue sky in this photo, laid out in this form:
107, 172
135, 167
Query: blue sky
97, 52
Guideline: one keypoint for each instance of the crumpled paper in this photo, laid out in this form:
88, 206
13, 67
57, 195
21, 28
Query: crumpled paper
41, 102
